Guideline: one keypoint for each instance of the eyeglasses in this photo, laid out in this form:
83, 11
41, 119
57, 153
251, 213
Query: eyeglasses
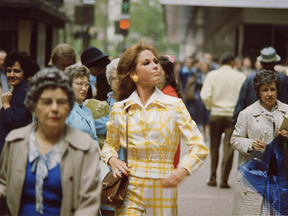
49, 101
81, 84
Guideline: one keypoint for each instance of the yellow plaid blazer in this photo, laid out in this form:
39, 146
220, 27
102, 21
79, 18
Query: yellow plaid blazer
154, 131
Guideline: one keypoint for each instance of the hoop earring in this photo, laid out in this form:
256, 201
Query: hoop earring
135, 78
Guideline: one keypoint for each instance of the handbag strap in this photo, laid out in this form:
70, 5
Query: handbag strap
126, 157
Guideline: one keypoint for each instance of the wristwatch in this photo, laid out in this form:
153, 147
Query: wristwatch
250, 148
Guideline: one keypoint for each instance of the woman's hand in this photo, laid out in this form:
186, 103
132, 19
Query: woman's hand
6, 98
175, 177
258, 145
117, 166
283, 133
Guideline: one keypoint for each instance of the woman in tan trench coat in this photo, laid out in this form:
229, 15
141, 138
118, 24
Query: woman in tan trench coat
50, 168
264, 116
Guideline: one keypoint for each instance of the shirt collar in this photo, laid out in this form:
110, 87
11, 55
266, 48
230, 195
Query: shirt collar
52, 158
157, 98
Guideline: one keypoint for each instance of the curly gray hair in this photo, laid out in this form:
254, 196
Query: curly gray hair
77, 70
110, 68
265, 76
49, 78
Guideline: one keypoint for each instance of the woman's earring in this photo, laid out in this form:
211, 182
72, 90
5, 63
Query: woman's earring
135, 78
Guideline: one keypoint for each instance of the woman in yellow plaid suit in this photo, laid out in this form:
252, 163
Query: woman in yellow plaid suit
155, 123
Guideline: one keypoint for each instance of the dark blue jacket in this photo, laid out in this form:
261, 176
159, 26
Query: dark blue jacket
247, 95
15, 116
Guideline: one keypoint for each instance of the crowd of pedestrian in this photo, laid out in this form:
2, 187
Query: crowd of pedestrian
59, 123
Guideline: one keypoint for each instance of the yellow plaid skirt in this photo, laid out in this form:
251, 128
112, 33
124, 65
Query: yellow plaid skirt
147, 197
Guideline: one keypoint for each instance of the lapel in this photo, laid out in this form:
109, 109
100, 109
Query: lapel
17, 167
83, 113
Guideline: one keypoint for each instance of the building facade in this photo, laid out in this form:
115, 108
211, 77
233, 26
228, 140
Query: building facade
242, 27
31, 26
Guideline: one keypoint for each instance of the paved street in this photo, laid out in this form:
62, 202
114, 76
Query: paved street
197, 199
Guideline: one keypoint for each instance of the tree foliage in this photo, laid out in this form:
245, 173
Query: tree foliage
147, 19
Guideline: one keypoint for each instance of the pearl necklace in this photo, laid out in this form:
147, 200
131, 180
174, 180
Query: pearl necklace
42, 146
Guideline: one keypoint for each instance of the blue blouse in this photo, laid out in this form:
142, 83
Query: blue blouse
52, 193
42, 191
82, 119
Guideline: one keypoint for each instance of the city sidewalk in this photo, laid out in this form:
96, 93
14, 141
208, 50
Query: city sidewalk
197, 199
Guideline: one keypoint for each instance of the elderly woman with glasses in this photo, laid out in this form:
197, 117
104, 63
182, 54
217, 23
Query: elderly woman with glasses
80, 116
49, 167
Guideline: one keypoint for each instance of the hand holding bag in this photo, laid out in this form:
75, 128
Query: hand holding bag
114, 189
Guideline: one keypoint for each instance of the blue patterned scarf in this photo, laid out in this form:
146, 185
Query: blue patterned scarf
41, 164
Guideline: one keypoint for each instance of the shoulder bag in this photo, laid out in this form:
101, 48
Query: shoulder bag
114, 189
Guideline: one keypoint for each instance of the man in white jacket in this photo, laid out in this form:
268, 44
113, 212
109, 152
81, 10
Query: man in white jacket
219, 94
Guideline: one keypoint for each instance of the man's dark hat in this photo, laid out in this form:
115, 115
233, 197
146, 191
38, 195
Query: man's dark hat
91, 54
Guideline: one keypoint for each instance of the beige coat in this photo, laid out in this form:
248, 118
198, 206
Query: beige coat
79, 171
250, 124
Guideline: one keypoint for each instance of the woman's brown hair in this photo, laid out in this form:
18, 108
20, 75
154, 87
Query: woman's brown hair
127, 65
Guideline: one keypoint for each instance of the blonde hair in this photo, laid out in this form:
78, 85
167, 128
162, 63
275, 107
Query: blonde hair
62, 50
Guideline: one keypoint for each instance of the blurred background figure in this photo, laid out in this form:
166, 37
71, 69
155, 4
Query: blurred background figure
4, 83
14, 114
169, 86
96, 61
219, 94
268, 59
177, 67
199, 112
186, 71
101, 109
247, 70
213, 65
238, 64
195, 64
80, 116
62, 56
50, 168
257, 66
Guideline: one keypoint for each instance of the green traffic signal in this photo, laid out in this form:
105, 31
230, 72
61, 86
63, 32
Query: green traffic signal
125, 6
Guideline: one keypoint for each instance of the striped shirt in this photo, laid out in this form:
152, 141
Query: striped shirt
154, 131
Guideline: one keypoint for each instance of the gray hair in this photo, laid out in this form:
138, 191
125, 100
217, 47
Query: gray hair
112, 66
49, 78
265, 76
77, 70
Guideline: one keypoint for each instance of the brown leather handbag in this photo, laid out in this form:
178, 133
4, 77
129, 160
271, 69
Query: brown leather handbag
114, 190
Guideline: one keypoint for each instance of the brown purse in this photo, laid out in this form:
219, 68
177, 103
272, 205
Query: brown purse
114, 189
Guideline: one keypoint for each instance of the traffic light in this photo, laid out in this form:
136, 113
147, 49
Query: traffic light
125, 6
119, 30
124, 23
